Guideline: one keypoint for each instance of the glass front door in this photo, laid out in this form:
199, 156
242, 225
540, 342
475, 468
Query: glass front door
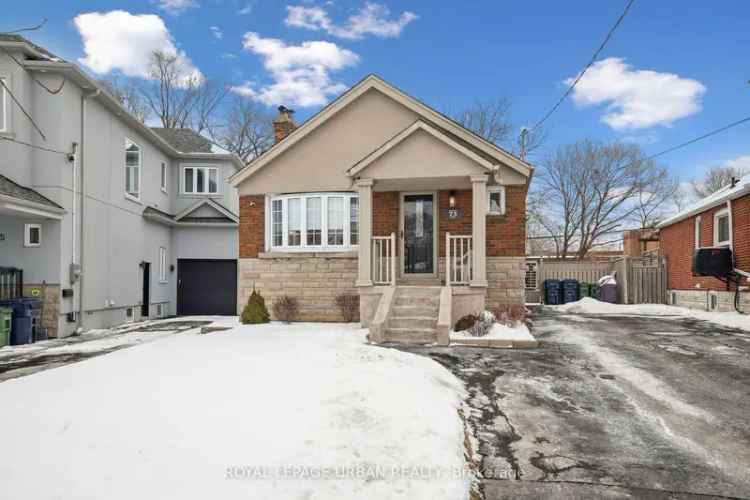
418, 234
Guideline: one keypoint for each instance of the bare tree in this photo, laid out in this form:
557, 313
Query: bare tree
248, 130
588, 190
657, 193
180, 99
127, 93
488, 119
715, 179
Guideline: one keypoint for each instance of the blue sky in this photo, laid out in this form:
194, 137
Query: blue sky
673, 70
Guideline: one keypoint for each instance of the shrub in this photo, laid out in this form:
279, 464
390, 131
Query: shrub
348, 304
483, 325
286, 308
465, 322
255, 311
510, 314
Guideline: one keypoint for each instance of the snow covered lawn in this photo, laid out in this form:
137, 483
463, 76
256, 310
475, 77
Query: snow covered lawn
252, 412
588, 305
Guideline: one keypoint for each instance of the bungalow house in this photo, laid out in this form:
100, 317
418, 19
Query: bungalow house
719, 220
105, 219
380, 196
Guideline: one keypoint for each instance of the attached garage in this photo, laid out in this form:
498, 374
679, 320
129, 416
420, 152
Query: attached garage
206, 287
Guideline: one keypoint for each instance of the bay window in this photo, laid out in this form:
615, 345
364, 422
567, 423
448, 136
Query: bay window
313, 222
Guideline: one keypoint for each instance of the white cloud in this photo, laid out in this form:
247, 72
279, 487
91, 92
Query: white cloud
637, 98
176, 7
247, 9
741, 163
216, 32
121, 41
371, 19
301, 73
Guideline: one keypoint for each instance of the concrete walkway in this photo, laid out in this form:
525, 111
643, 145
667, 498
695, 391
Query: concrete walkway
611, 407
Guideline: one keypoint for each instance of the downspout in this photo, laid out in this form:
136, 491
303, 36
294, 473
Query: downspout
82, 190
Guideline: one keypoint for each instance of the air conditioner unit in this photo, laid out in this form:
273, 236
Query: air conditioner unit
716, 262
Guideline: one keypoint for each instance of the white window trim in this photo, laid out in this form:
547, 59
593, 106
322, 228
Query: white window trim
164, 177
697, 231
140, 171
496, 189
162, 265
208, 168
4, 123
304, 247
717, 216
27, 235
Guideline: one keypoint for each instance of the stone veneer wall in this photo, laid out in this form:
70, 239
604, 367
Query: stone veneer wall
50, 295
699, 299
505, 281
314, 279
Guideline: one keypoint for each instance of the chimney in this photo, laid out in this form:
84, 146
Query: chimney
283, 125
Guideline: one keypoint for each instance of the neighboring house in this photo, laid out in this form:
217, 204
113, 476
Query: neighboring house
107, 216
640, 242
719, 220
377, 175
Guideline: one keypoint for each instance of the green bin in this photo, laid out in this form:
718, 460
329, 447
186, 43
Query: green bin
6, 318
584, 290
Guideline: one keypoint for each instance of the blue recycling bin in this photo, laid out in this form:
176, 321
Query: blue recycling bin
552, 292
24, 311
570, 290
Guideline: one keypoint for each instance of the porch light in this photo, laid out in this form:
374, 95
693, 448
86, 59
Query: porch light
452, 199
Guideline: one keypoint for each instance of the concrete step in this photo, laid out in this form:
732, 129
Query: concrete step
418, 291
411, 310
413, 322
411, 335
432, 302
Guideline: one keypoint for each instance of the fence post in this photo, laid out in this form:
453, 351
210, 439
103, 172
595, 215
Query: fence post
626, 279
447, 259
393, 259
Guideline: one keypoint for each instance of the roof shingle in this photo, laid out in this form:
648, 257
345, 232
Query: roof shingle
184, 140
10, 188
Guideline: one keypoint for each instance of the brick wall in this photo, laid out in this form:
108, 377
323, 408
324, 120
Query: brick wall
506, 234
678, 245
460, 226
385, 209
252, 225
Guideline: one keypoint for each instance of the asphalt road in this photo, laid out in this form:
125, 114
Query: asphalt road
611, 407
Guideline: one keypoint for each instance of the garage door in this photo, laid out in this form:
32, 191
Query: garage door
206, 287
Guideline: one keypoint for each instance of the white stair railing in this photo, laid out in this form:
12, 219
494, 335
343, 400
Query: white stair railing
384, 260
459, 264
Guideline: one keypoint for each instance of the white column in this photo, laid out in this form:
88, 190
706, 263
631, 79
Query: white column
479, 229
364, 188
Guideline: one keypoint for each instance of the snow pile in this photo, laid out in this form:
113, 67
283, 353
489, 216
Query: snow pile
588, 305
261, 411
499, 331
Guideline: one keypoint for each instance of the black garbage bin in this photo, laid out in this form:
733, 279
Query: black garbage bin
21, 332
570, 290
552, 292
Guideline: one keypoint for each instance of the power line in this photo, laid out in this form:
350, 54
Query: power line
34, 146
591, 62
51, 91
23, 110
692, 141
31, 28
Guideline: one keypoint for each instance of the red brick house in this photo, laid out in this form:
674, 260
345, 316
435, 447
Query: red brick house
721, 219
381, 196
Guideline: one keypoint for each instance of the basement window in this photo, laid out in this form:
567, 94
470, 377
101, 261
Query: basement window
129, 314
713, 302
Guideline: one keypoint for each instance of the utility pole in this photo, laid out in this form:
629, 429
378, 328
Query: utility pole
524, 134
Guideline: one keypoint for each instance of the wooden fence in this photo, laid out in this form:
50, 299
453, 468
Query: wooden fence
639, 280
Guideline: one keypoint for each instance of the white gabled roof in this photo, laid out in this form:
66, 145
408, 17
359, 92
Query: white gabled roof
375, 82
713, 200
207, 202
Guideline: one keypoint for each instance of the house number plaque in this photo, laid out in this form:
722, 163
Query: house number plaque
453, 213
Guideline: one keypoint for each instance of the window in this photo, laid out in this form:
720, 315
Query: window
159, 310
164, 177
698, 230
713, 303
162, 265
314, 226
132, 169
496, 200
200, 180
4, 112
721, 228
320, 221
354, 221
129, 314
32, 235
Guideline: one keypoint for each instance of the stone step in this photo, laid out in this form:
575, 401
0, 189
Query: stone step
413, 322
418, 291
432, 302
412, 310
411, 335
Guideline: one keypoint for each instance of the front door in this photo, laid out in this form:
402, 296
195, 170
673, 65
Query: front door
418, 232
146, 299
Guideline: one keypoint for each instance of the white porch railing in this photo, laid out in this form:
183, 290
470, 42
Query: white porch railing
384, 260
458, 259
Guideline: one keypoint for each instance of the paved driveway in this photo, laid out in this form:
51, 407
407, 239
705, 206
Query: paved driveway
612, 407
